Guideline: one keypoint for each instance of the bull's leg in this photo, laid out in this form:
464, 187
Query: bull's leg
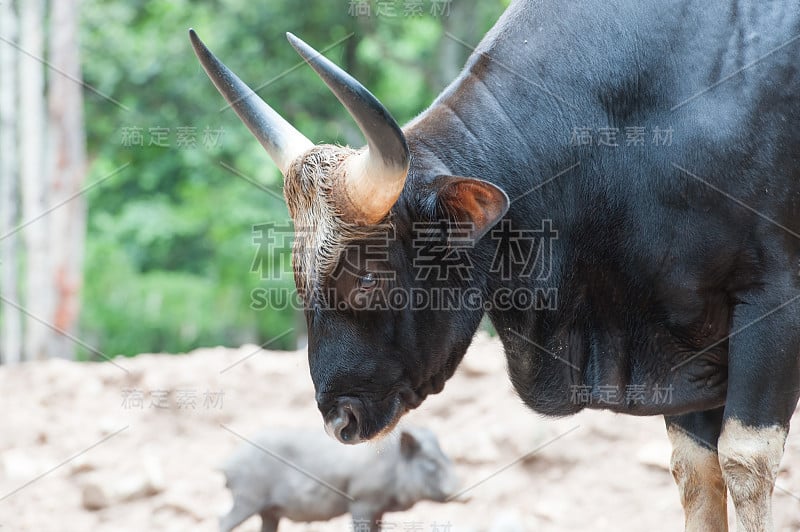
696, 469
763, 387
750, 456
269, 523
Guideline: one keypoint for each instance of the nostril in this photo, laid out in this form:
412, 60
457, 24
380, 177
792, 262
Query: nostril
344, 424
348, 429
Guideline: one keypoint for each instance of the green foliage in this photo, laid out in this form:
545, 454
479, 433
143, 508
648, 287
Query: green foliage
170, 242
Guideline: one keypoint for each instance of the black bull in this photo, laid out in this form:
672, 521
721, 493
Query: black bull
633, 180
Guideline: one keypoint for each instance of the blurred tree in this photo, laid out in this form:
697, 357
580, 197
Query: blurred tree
38, 286
66, 174
43, 168
11, 323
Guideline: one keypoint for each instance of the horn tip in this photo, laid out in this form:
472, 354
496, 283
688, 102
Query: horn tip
200, 49
195, 39
299, 45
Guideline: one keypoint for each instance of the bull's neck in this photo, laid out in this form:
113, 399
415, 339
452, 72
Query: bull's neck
494, 125
477, 129
507, 112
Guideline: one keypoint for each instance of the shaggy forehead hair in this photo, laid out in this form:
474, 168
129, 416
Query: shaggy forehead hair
313, 188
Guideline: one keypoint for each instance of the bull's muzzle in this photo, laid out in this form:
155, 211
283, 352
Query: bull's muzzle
343, 421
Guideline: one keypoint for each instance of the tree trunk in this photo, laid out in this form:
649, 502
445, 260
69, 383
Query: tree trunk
459, 23
10, 322
67, 172
38, 286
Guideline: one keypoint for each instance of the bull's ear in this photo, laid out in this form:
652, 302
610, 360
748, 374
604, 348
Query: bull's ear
409, 445
474, 202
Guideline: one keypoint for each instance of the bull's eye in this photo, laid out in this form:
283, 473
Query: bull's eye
368, 281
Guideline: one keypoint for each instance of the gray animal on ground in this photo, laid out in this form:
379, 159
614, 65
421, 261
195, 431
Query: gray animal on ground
304, 475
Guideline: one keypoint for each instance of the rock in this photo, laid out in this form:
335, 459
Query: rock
481, 361
552, 508
146, 484
81, 464
182, 506
109, 425
92, 385
134, 487
508, 522
101, 491
94, 496
518, 439
16, 464
155, 473
480, 449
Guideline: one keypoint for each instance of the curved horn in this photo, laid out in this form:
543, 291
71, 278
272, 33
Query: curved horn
375, 177
281, 140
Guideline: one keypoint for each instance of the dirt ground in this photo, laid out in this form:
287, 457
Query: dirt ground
139, 443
